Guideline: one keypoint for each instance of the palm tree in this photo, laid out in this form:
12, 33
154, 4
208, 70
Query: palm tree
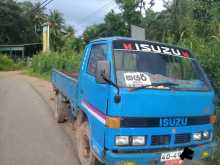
39, 16
69, 31
56, 23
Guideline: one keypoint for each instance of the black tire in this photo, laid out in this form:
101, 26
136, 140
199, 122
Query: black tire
60, 108
85, 153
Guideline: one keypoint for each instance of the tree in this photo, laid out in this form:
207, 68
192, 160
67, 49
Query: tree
93, 32
56, 23
69, 31
180, 18
152, 24
12, 22
71, 42
18, 22
21, 22
35, 17
206, 16
130, 12
115, 25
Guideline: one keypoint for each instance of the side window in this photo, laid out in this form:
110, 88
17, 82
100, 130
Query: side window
98, 52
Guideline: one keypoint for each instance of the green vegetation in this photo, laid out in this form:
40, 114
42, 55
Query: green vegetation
43, 63
18, 24
7, 64
21, 23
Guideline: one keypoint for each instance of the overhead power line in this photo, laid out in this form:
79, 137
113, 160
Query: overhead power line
96, 11
41, 6
36, 8
47, 3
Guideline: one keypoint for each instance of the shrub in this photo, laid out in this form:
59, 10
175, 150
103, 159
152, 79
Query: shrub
7, 64
43, 63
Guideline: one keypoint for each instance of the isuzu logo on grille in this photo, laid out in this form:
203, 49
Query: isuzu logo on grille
173, 122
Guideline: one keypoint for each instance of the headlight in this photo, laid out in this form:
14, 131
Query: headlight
205, 135
197, 136
138, 140
122, 140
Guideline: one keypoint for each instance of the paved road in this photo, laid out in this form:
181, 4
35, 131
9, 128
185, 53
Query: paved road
29, 134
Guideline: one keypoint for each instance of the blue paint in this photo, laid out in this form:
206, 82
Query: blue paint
173, 107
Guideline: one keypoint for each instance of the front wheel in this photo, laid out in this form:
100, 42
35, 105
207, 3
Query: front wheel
85, 154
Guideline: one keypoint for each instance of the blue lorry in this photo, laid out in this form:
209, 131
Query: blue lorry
137, 103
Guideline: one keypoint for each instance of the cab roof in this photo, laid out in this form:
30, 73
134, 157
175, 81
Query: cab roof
114, 38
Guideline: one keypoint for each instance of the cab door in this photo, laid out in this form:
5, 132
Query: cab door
94, 96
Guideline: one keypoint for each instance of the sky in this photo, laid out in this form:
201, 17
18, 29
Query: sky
83, 13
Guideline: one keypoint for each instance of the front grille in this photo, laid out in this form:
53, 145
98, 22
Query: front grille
182, 138
136, 122
140, 122
198, 120
160, 139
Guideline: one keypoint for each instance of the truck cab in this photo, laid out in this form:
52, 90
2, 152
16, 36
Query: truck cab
140, 102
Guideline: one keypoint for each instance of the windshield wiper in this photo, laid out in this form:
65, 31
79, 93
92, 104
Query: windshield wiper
117, 96
165, 84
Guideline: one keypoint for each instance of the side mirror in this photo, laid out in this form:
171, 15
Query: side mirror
102, 69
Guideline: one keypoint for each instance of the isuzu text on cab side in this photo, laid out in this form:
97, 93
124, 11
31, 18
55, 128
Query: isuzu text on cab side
137, 103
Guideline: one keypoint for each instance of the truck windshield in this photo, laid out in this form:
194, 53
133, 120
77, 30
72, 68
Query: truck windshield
138, 68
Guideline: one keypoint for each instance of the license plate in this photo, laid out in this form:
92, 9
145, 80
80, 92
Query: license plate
174, 155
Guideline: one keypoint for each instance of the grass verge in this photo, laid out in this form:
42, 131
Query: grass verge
30, 72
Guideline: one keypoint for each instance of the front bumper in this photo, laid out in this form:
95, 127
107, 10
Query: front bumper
151, 158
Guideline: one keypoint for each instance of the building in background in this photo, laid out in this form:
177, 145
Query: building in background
21, 51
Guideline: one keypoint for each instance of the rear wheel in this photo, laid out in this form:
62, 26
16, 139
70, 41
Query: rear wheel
85, 154
60, 108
